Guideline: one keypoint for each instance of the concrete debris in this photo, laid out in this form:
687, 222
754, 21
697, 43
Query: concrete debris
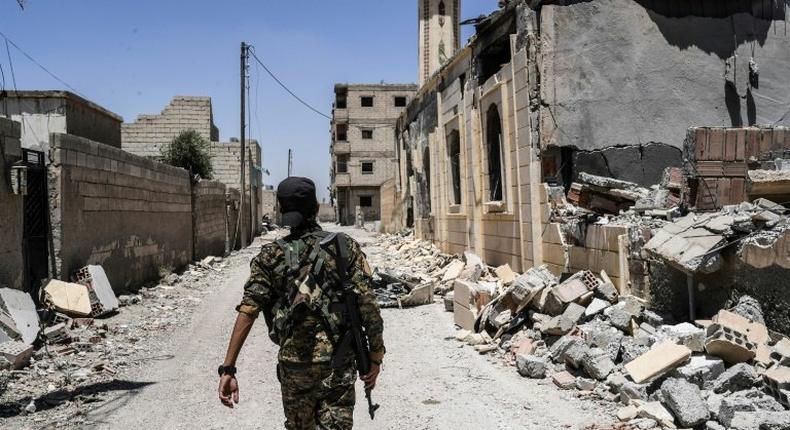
701, 370
660, 360
71, 299
103, 300
685, 401
20, 309
564, 380
749, 308
745, 401
655, 411
738, 377
686, 334
598, 364
531, 366
16, 353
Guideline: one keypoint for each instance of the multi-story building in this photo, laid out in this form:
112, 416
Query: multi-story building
363, 145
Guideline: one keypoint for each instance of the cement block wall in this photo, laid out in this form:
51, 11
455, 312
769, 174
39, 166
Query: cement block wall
209, 219
717, 160
44, 112
124, 212
12, 264
147, 135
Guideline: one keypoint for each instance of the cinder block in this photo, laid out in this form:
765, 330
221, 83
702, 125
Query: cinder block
17, 353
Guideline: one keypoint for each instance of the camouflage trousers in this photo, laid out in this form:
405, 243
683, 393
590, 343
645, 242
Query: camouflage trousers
316, 396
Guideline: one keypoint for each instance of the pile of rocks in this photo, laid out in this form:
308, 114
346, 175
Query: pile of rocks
729, 372
60, 363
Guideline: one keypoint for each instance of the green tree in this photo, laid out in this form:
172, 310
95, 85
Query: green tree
190, 151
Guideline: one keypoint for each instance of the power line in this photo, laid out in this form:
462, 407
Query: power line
288, 89
33, 60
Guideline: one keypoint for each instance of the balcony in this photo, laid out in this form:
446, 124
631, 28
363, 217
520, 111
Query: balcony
341, 147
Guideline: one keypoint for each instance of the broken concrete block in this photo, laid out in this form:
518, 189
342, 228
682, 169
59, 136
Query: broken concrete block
662, 358
570, 290
419, 295
96, 280
17, 353
738, 377
525, 347
728, 343
685, 401
760, 421
606, 289
781, 352
531, 366
627, 413
564, 380
463, 292
68, 298
777, 383
464, 317
656, 411
602, 335
619, 317
20, 307
474, 267
575, 354
453, 270
502, 318
8, 329
562, 344
749, 308
631, 350
685, 334
701, 370
585, 384
574, 312
631, 391
598, 364
505, 273
595, 307
746, 401
558, 326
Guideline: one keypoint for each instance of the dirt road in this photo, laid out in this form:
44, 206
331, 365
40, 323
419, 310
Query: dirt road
429, 380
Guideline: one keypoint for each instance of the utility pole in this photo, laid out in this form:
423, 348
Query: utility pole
290, 162
245, 53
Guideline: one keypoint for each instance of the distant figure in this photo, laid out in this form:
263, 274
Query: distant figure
314, 290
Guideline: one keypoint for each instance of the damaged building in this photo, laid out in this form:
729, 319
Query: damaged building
570, 133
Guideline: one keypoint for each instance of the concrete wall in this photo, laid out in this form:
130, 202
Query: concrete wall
209, 219
12, 264
616, 73
149, 133
269, 205
108, 207
45, 112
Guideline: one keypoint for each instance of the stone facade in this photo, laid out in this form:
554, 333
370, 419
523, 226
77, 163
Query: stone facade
533, 100
147, 135
44, 112
12, 264
363, 145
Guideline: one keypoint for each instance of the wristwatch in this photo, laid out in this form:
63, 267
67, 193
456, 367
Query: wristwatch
226, 370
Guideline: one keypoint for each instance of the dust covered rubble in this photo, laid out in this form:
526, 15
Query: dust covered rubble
579, 333
74, 360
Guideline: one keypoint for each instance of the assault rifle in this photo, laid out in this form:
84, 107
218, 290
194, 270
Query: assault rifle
355, 337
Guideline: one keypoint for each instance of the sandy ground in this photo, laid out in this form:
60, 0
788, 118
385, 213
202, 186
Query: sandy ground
429, 381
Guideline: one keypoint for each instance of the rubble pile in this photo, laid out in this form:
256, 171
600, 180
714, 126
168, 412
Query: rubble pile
728, 372
86, 337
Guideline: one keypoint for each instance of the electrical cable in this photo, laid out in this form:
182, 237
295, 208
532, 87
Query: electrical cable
33, 60
276, 79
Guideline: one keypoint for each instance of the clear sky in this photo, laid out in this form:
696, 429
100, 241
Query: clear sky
132, 57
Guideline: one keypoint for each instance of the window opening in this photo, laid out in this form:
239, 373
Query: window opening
494, 153
454, 151
365, 201
400, 101
367, 167
342, 163
366, 101
367, 134
341, 131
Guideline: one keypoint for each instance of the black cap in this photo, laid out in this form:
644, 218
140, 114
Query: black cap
297, 200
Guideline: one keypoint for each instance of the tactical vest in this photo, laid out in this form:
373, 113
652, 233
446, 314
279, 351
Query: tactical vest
311, 285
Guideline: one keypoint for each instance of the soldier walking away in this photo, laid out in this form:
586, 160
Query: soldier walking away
313, 289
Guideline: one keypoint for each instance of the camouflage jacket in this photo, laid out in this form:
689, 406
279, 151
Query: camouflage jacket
271, 287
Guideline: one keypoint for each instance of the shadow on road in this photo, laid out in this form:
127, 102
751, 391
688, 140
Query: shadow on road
85, 394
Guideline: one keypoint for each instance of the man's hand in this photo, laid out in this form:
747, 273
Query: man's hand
370, 378
228, 390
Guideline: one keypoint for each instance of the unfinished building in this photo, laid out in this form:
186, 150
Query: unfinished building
363, 145
560, 135
150, 133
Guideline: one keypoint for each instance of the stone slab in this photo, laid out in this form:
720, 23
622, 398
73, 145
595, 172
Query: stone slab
20, 307
661, 359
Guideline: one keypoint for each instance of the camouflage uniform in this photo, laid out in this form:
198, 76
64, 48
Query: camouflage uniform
315, 393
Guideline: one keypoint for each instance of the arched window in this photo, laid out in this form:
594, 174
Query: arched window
494, 153
442, 9
454, 151
426, 170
